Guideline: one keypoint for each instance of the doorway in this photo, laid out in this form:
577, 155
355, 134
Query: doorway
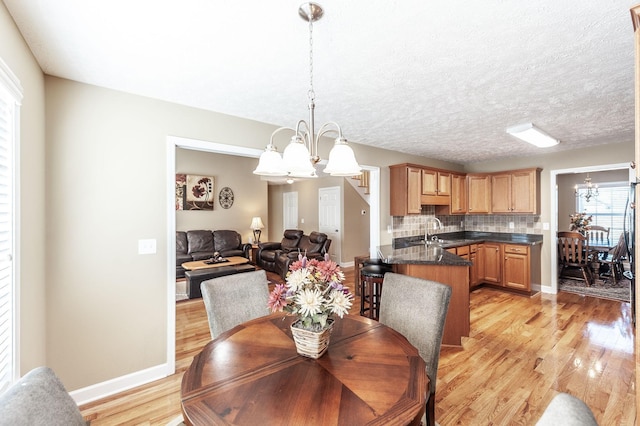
329, 219
175, 142
553, 222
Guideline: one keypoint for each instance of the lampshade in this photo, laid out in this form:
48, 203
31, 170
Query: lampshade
256, 223
531, 134
270, 163
296, 159
342, 160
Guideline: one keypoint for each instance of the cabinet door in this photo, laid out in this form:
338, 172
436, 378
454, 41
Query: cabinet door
523, 192
444, 184
404, 190
492, 263
458, 194
473, 270
479, 193
516, 271
501, 193
414, 177
517, 267
429, 182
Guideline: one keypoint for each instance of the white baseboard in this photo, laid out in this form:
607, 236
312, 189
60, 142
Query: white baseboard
347, 264
120, 384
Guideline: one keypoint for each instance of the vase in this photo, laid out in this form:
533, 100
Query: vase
312, 344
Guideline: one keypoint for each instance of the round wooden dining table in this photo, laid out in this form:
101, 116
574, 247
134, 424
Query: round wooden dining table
250, 375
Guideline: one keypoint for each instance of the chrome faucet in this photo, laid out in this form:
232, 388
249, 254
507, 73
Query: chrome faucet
432, 224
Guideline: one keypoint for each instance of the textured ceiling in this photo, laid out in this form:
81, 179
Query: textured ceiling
441, 78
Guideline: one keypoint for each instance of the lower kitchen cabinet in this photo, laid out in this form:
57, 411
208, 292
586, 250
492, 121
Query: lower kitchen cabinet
512, 266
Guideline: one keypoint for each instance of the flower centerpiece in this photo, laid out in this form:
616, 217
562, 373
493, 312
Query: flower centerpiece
580, 222
314, 293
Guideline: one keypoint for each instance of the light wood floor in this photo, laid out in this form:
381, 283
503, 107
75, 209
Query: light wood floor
521, 352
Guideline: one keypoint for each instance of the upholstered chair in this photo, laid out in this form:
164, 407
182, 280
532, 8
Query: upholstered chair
39, 398
417, 309
567, 410
234, 299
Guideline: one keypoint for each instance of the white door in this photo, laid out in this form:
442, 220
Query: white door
290, 210
330, 219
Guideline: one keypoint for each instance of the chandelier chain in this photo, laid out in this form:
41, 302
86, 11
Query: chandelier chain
311, 93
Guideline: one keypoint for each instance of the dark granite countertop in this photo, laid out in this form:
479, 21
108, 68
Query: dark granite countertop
420, 253
414, 250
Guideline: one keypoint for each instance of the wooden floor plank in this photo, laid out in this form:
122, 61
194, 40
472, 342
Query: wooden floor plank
521, 352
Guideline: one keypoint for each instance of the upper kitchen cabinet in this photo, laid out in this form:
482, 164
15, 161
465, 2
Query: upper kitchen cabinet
478, 193
458, 193
516, 191
405, 189
436, 187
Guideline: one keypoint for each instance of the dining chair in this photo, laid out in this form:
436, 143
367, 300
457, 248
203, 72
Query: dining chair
574, 252
567, 410
234, 299
614, 258
598, 233
417, 309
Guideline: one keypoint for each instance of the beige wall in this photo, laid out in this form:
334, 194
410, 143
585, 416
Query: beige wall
250, 192
30, 258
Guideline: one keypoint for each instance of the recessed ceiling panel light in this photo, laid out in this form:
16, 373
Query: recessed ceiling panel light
531, 134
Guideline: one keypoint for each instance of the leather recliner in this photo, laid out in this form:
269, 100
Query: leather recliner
277, 257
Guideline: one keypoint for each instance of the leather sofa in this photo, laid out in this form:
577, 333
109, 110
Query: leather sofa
278, 256
202, 244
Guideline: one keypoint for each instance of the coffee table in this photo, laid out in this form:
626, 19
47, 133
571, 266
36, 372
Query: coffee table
198, 271
200, 264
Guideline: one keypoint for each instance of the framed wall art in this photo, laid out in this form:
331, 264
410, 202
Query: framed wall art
194, 192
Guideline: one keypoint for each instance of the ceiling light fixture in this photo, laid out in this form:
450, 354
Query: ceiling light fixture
592, 190
531, 134
301, 155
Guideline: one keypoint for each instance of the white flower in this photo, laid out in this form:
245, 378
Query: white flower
310, 302
296, 280
340, 303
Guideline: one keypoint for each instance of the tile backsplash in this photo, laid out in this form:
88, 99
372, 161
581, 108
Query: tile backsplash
408, 226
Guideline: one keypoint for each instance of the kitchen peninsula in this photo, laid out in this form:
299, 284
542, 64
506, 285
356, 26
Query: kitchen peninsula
437, 262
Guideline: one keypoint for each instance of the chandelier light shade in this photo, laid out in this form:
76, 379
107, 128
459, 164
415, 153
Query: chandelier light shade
257, 226
533, 135
301, 154
592, 190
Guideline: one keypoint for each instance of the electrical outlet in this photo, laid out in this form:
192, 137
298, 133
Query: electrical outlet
545, 226
512, 225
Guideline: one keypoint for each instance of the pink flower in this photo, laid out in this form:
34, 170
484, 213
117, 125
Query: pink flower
277, 298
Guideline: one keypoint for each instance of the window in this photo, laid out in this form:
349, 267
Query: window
608, 208
10, 97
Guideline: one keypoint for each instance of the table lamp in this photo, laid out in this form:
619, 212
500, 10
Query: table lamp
256, 225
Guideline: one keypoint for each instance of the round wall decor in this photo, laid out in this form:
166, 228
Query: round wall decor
226, 197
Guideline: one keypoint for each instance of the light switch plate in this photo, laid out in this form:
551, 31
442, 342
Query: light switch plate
147, 246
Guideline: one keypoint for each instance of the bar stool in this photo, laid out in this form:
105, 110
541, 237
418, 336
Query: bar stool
371, 277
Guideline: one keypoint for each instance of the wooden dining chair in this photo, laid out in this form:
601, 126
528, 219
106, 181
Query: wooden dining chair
574, 252
598, 233
234, 299
417, 309
614, 258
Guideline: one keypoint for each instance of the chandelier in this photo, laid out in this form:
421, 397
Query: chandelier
301, 154
592, 190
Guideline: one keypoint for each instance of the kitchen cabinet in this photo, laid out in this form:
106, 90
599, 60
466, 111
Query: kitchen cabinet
492, 263
516, 267
479, 193
405, 189
436, 187
516, 191
474, 270
458, 194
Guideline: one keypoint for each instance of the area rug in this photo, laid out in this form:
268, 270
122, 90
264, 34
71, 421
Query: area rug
604, 289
